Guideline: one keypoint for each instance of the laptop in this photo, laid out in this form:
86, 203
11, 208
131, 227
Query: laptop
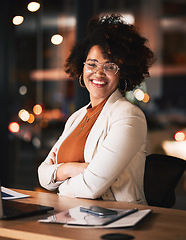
11, 209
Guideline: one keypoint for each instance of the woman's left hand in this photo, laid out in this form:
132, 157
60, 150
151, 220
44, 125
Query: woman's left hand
53, 157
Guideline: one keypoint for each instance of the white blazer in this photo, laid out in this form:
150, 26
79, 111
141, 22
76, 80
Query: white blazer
116, 151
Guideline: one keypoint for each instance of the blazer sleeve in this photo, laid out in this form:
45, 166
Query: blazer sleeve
125, 134
45, 170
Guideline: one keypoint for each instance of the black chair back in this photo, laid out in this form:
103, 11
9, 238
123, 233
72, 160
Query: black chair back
162, 174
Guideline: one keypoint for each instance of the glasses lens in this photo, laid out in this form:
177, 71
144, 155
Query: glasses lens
110, 68
91, 66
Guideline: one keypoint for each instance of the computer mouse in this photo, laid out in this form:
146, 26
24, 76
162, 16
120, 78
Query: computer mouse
117, 236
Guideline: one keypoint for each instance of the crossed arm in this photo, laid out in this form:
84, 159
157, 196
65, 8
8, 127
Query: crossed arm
67, 170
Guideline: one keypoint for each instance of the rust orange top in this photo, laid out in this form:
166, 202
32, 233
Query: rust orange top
72, 149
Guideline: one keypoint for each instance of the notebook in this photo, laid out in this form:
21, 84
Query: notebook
12, 209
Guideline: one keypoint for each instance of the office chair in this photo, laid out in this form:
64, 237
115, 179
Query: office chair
162, 174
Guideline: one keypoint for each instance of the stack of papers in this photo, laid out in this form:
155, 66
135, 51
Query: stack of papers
9, 194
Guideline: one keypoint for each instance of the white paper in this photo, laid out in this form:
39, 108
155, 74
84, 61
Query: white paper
130, 220
9, 194
125, 222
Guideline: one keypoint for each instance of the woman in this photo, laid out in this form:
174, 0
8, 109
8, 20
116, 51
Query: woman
102, 150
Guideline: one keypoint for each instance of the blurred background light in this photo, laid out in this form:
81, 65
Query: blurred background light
175, 148
146, 98
139, 94
31, 118
36, 142
33, 6
17, 20
56, 39
24, 115
37, 109
23, 90
14, 127
129, 18
44, 123
179, 136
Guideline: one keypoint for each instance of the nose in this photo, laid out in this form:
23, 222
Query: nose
100, 70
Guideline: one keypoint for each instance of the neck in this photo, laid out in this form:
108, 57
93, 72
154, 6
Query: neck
95, 102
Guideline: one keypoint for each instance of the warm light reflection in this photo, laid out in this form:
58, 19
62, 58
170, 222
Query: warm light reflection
24, 115
56, 39
129, 18
14, 127
57, 74
54, 114
17, 20
179, 136
175, 148
139, 94
31, 118
146, 98
44, 123
37, 109
33, 6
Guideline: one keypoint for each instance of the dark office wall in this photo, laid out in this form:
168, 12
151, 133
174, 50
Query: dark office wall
3, 92
84, 11
6, 35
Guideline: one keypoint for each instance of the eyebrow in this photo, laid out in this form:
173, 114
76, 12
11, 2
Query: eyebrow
95, 60
91, 59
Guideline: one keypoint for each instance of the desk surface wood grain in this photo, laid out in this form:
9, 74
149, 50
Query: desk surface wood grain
161, 224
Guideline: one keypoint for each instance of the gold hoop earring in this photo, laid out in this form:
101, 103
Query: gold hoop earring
81, 81
125, 87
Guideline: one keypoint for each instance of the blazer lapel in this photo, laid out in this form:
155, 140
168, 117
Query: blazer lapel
74, 123
99, 126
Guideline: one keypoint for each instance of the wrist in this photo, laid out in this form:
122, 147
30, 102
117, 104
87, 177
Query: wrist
62, 172
54, 175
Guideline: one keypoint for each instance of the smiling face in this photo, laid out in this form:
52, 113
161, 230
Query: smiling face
99, 84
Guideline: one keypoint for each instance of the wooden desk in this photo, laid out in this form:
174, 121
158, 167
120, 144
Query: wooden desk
161, 224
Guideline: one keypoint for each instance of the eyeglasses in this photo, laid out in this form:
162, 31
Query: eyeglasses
108, 68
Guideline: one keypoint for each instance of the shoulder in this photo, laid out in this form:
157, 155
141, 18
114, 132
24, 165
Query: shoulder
124, 106
122, 113
119, 105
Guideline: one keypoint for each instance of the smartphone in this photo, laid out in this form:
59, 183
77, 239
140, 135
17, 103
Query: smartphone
99, 211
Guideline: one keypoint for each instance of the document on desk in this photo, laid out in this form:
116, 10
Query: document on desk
76, 218
9, 194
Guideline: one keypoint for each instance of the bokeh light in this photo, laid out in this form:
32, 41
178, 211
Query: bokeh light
56, 39
37, 109
129, 18
24, 115
14, 127
179, 136
33, 6
17, 20
139, 94
146, 98
31, 118
36, 142
23, 90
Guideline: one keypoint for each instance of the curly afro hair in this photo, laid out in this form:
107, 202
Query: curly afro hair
120, 43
